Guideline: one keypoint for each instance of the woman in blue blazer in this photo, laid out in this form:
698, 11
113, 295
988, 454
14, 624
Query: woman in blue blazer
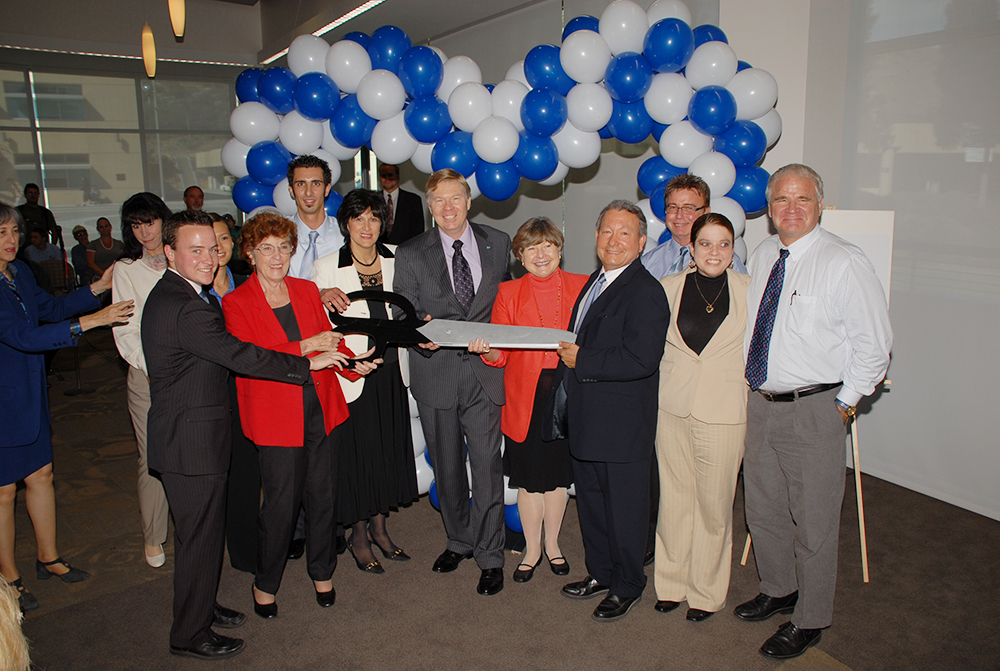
26, 441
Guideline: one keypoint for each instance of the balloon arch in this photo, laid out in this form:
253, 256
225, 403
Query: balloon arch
626, 75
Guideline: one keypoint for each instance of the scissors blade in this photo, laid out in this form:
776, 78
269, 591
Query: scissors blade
452, 333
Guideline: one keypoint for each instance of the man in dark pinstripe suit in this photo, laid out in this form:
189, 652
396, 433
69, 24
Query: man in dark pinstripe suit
188, 353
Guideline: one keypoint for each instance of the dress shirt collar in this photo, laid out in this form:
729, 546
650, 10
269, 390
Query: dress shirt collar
612, 275
800, 246
468, 239
194, 285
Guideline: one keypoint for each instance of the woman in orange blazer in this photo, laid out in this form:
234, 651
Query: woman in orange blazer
541, 471
295, 428
701, 424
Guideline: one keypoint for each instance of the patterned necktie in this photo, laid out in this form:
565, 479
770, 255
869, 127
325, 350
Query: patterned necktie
389, 214
594, 293
764, 326
465, 290
312, 253
680, 262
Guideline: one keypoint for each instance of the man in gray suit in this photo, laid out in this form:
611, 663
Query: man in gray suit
452, 272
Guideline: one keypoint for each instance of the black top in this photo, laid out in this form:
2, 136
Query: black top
696, 324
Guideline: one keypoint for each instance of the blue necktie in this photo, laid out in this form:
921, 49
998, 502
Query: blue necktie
311, 255
764, 326
594, 293
465, 289
679, 263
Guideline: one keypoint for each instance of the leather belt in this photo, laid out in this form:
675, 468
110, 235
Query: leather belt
801, 392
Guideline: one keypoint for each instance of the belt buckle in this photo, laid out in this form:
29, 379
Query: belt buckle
767, 395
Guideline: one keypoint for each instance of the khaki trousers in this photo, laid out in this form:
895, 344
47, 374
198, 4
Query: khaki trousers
153, 506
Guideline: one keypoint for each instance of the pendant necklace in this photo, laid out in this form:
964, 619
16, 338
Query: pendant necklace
710, 307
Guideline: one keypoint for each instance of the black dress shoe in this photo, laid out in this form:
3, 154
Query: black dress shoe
267, 611
561, 568
790, 641
666, 606
25, 599
72, 575
525, 574
698, 615
763, 606
227, 618
490, 582
326, 599
449, 561
341, 545
649, 557
587, 588
296, 548
614, 607
216, 647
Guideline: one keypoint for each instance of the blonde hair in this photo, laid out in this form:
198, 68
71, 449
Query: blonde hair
13, 644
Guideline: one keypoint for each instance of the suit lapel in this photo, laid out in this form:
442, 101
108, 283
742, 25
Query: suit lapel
611, 293
729, 324
437, 265
266, 319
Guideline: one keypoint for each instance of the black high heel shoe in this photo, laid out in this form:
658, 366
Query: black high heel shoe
267, 611
559, 569
73, 575
371, 567
398, 555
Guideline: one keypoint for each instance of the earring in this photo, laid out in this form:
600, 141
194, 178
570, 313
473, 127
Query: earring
691, 265
731, 264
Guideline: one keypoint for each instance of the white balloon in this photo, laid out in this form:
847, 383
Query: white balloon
740, 247
682, 143
381, 95
571, 490
577, 148
711, 64
654, 227
584, 56
507, 97
495, 139
755, 91
391, 142
441, 54
668, 9
516, 72
731, 210
299, 135
425, 475
234, 158
331, 145
716, 169
307, 53
347, 62
473, 187
623, 26
469, 104
668, 97
331, 161
253, 122
417, 433
414, 410
283, 199
771, 124
589, 105
558, 176
421, 158
458, 70
509, 493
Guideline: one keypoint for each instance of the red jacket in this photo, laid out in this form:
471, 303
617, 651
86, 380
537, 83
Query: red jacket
271, 412
515, 305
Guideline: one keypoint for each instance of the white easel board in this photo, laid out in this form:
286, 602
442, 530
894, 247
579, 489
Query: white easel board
871, 230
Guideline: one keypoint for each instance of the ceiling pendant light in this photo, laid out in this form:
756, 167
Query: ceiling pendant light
177, 17
148, 51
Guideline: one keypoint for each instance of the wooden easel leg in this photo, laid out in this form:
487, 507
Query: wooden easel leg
861, 504
746, 551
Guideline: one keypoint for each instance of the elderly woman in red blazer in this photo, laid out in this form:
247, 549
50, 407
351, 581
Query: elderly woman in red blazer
296, 429
544, 297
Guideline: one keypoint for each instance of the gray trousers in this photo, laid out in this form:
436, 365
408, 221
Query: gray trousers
793, 474
474, 419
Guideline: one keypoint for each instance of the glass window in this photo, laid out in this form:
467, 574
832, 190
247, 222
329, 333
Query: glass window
14, 108
176, 161
17, 165
173, 105
76, 101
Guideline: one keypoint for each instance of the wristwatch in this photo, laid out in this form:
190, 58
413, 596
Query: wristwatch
75, 329
851, 410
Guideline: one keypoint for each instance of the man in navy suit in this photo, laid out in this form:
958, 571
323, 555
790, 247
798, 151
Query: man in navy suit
611, 375
406, 212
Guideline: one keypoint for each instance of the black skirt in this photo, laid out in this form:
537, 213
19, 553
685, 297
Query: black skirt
536, 465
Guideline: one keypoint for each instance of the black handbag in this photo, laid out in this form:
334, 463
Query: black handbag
557, 410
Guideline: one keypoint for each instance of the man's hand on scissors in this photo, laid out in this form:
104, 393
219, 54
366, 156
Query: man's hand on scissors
429, 345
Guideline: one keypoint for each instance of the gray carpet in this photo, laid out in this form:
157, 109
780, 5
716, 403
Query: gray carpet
933, 600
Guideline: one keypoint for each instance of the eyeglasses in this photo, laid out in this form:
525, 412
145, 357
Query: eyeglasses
686, 209
284, 249
387, 175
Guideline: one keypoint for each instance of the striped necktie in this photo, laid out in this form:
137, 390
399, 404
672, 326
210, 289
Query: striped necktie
761, 341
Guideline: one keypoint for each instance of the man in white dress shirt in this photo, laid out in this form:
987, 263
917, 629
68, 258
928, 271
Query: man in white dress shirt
309, 183
818, 340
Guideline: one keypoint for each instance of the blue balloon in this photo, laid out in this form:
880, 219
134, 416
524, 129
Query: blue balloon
742, 65
745, 143
536, 157
512, 518
543, 70
708, 33
387, 46
630, 122
267, 162
316, 97
658, 129
712, 110
275, 89
490, 87
248, 195
658, 201
332, 203
497, 181
585, 22
357, 36
749, 188
433, 495
350, 126
455, 151
246, 85
543, 112
427, 456
605, 133
628, 77
668, 45
420, 71
654, 171
664, 236
427, 119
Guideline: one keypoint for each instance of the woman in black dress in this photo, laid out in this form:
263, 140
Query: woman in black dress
377, 468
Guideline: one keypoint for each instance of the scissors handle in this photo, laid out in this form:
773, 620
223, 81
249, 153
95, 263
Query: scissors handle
377, 328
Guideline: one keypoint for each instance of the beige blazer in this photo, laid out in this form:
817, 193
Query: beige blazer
327, 273
711, 386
